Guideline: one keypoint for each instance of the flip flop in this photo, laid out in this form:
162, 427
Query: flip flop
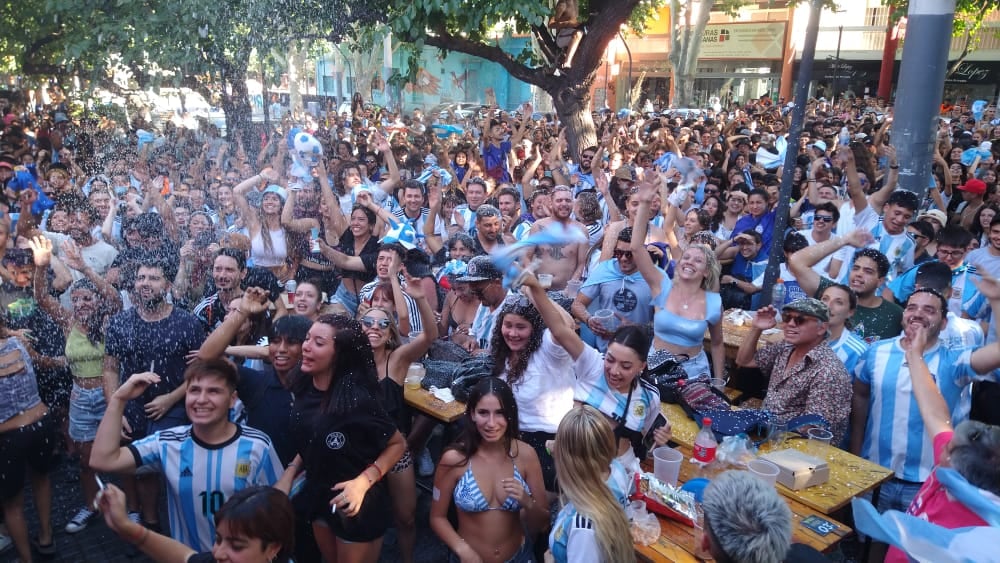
48, 549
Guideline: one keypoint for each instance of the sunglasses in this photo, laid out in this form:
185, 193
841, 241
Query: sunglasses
950, 253
824, 218
917, 236
796, 320
370, 322
623, 254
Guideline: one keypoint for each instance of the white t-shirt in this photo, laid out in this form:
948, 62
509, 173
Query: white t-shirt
545, 392
822, 267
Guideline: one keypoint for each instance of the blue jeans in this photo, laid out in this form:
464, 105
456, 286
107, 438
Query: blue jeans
347, 299
897, 495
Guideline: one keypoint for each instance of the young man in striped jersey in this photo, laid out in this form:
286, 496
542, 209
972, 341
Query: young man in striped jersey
885, 422
205, 462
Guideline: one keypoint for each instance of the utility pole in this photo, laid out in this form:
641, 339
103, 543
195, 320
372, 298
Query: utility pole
798, 119
918, 97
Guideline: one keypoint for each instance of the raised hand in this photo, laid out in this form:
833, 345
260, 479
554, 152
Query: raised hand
254, 301
269, 174
41, 247
74, 256
765, 318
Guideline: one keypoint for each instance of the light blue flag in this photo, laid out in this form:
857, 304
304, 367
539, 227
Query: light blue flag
555, 234
977, 108
767, 159
426, 174
401, 233
969, 155
926, 542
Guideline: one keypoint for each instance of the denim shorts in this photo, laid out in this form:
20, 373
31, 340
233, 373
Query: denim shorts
86, 407
346, 298
897, 494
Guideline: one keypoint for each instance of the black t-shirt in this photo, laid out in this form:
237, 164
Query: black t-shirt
369, 255
164, 344
269, 408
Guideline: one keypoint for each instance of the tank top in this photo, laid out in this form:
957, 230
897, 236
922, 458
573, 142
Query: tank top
85, 359
278, 253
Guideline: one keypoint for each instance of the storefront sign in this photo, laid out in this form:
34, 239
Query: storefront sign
972, 73
743, 41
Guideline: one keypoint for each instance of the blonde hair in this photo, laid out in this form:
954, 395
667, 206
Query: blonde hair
585, 447
712, 268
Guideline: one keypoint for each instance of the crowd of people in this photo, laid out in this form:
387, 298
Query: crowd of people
181, 310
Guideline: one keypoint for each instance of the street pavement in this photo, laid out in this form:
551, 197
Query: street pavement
97, 543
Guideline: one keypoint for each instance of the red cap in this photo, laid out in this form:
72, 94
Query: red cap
974, 186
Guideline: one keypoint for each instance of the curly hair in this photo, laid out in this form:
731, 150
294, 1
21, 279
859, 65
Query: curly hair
506, 360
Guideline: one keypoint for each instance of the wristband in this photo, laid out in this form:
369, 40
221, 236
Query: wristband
894, 167
141, 537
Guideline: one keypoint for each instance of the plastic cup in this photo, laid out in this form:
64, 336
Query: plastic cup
667, 464
718, 383
545, 280
635, 508
572, 288
607, 319
819, 441
764, 470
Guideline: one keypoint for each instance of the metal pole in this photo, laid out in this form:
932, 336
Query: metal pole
921, 81
798, 119
836, 67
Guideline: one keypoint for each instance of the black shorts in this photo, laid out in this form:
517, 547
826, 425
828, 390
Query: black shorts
537, 441
28, 446
369, 524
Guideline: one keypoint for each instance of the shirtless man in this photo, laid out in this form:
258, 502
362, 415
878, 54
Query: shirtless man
564, 262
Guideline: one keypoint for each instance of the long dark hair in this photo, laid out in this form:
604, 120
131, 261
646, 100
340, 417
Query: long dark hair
469, 443
502, 354
354, 386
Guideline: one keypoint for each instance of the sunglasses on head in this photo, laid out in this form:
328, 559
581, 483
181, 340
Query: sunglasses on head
623, 254
370, 322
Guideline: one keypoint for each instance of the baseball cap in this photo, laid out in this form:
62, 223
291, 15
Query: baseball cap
292, 327
481, 268
935, 214
974, 186
819, 145
809, 306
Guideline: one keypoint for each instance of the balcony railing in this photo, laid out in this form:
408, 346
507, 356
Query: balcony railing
870, 38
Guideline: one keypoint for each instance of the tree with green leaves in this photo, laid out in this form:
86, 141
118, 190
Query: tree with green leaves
207, 47
968, 23
474, 27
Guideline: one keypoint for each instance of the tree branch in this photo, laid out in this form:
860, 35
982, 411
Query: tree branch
535, 76
601, 28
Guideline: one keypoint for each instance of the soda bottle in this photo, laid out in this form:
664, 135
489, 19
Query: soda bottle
704, 443
778, 297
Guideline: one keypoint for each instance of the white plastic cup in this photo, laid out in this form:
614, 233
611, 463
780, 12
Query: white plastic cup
607, 319
820, 440
764, 470
718, 383
667, 464
572, 288
545, 280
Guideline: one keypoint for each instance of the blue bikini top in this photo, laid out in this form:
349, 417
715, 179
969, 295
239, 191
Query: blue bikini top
469, 498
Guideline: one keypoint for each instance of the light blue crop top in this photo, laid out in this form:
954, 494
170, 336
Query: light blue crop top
469, 498
678, 330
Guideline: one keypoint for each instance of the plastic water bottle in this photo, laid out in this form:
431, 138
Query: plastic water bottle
844, 138
778, 297
705, 443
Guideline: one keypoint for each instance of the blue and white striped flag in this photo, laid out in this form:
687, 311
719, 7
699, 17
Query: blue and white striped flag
401, 233
554, 234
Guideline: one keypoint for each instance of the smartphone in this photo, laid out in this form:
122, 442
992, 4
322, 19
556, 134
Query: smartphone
647, 440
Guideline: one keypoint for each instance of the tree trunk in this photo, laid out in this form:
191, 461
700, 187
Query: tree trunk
572, 105
237, 104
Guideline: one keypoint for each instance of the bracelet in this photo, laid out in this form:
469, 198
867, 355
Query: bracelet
377, 468
894, 167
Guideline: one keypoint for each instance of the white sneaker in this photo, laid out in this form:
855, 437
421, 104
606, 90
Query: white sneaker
80, 521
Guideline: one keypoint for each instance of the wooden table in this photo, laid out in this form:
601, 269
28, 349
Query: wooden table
733, 336
850, 475
677, 541
422, 400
